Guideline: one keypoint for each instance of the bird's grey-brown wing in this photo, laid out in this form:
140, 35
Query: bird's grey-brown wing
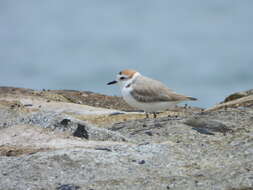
150, 90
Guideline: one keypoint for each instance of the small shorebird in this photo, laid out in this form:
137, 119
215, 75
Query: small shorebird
145, 93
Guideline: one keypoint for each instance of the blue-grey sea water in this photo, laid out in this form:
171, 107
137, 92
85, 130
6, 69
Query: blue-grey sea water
199, 48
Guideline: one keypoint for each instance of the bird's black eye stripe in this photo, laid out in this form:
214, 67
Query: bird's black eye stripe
122, 78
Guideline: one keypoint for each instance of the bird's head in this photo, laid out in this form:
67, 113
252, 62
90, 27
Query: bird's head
124, 77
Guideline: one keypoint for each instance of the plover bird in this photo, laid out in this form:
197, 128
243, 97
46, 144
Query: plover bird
145, 93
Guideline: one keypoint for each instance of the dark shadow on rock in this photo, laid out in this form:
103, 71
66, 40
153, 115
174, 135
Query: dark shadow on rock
81, 132
67, 187
104, 149
65, 122
207, 126
203, 131
116, 113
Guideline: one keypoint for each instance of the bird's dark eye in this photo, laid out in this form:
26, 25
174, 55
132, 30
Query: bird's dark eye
122, 78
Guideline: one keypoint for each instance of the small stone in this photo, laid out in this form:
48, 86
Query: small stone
149, 133
141, 162
81, 132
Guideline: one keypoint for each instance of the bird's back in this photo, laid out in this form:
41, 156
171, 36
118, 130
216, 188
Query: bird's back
150, 90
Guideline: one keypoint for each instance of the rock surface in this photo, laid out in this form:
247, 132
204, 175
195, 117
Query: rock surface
59, 140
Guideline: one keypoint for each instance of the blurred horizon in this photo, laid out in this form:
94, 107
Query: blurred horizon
197, 48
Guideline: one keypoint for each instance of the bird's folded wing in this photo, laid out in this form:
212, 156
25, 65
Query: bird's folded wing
149, 90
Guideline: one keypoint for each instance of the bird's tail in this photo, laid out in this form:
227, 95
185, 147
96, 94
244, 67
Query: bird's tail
191, 98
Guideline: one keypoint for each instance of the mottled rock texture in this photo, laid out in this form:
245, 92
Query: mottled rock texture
59, 140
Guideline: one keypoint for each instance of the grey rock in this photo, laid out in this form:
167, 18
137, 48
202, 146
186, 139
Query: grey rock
162, 153
60, 122
167, 128
151, 166
8, 117
238, 95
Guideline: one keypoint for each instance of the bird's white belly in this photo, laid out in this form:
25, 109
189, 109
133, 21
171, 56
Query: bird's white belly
147, 106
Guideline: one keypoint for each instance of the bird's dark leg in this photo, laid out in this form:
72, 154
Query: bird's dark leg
154, 113
147, 115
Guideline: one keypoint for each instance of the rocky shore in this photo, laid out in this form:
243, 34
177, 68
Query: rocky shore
69, 140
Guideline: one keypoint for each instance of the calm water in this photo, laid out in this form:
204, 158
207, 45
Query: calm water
199, 48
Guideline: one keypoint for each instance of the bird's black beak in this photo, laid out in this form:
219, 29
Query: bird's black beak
113, 82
